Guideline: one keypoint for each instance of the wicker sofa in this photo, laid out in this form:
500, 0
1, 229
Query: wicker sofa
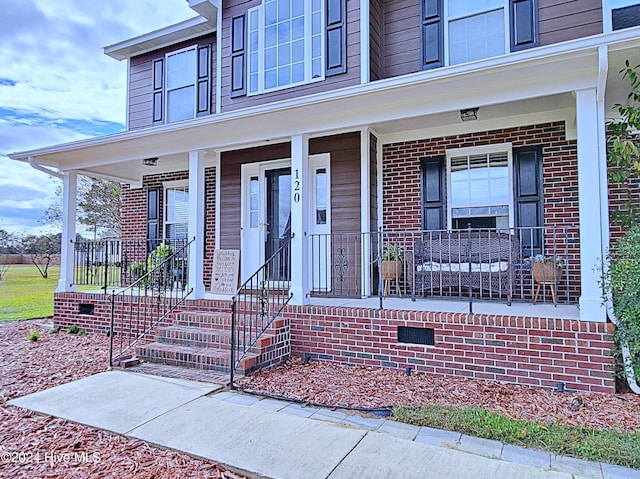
447, 261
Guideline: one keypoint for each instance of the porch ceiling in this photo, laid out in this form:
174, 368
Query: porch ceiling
515, 88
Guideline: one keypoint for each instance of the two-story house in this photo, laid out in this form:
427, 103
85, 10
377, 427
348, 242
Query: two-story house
469, 134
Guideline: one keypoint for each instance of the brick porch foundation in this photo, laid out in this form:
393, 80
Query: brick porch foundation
522, 350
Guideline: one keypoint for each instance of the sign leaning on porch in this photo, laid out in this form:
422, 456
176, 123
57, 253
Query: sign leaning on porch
226, 268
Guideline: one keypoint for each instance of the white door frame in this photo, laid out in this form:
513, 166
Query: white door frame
252, 240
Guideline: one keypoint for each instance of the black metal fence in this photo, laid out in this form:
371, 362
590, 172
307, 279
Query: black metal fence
539, 264
117, 263
153, 294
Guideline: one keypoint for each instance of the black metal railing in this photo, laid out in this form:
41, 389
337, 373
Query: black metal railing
258, 302
158, 288
492, 264
117, 262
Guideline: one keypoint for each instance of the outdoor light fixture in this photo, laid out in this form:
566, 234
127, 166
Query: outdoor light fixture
469, 114
150, 161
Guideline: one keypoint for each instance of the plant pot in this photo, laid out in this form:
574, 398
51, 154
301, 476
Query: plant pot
547, 273
391, 269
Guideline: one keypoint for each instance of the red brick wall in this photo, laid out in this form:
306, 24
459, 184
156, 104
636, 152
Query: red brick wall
134, 211
401, 181
522, 350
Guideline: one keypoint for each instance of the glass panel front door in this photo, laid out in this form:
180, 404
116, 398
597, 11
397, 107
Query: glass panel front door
278, 221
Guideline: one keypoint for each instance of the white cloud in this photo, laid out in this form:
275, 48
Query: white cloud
56, 84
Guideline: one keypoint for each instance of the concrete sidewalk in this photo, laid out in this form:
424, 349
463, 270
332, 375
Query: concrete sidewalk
281, 440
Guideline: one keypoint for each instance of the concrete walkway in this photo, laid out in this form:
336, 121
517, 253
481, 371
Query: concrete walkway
281, 440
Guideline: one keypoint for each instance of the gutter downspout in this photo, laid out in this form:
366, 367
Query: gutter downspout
603, 69
39, 167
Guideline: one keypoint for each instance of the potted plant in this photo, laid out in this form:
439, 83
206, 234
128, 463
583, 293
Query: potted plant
391, 267
547, 269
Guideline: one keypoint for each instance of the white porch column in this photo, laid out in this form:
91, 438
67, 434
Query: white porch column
67, 247
365, 208
196, 223
591, 251
300, 205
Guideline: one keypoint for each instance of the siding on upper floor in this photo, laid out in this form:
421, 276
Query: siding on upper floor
234, 8
399, 49
141, 81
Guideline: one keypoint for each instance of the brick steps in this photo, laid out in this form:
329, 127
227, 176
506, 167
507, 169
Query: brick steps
202, 340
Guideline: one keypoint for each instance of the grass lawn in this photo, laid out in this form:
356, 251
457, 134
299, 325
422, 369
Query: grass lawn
24, 294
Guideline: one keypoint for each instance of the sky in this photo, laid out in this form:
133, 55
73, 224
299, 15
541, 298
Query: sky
57, 86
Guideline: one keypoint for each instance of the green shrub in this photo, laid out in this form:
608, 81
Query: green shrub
73, 329
623, 282
33, 336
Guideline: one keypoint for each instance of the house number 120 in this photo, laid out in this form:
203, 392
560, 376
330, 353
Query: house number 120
296, 187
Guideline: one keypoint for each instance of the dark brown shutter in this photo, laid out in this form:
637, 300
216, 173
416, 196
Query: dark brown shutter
204, 79
153, 218
431, 34
523, 16
238, 56
158, 93
527, 170
433, 193
336, 37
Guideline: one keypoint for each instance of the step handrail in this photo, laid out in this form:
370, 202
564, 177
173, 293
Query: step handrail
258, 302
137, 314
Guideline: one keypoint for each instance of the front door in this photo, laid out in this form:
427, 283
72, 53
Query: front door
266, 217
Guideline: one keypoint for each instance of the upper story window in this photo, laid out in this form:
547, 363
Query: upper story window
476, 29
619, 14
181, 84
286, 46
284, 43
459, 31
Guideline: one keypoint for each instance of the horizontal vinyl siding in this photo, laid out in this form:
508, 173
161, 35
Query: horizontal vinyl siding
401, 51
231, 187
567, 20
351, 77
345, 179
141, 79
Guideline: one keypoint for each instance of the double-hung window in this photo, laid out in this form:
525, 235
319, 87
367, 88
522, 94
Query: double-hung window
181, 84
459, 31
480, 188
176, 217
477, 29
286, 44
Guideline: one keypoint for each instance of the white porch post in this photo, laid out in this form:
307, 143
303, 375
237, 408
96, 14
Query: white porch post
300, 204
196, 223
365, 208
67, 248
591, 251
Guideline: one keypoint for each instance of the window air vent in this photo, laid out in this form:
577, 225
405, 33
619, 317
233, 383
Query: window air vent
411, 335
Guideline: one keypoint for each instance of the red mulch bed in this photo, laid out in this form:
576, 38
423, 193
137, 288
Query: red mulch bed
55, 448
353, 386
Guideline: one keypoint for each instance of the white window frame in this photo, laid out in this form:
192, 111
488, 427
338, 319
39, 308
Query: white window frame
166, 186
607, 11
166, 82
507, 30
308, 52
320, 162
482, 150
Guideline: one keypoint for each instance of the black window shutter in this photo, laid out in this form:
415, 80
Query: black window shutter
433, 193
336, 37
431, 34
204, 76
153, 218
158, 94
238, 56
527, 170
523, 16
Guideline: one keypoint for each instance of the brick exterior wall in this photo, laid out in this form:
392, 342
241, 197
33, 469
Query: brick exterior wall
134, 211
402, 194
521, 350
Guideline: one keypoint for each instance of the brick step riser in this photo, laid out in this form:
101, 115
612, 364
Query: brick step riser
207, 339
195, 361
